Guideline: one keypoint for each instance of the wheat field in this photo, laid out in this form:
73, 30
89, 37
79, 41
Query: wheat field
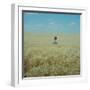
44, 58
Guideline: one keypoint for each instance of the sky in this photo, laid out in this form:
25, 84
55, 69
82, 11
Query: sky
51, 22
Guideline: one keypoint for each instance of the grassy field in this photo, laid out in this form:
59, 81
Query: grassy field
44, 58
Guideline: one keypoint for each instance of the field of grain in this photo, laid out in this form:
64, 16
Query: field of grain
44, 58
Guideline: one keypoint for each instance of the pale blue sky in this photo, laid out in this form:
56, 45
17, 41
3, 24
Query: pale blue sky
51, 22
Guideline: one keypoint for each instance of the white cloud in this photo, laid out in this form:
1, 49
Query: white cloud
72, 23
30, 13
49, 19
51, 23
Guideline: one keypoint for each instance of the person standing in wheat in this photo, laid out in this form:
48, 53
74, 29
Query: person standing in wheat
55, 40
